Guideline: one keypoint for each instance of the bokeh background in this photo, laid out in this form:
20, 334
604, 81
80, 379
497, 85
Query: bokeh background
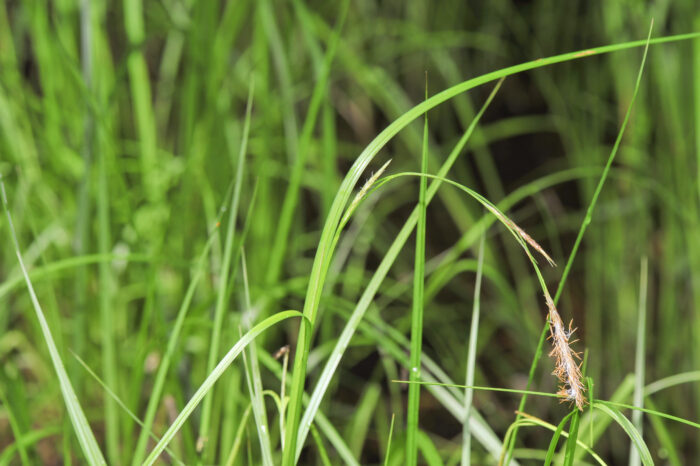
120, 128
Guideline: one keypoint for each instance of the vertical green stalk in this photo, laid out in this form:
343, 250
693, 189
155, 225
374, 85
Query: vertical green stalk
141, 99
291, 196
86, 438
222, 293
471, 359
388, 443
639, 359
106, 287
695, 283
254, 380
80, 240
164, 366
417, 312
582, 230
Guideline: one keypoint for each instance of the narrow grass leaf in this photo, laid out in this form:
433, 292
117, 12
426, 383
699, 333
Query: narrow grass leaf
413, 407
322, 453
539, 422
471, 359
639, 359
222, 292
572, 441
159, 381
551, 450
377, 279
238, 439
291, 197
254, 381
428, 451
632, 432
388, 443
587, 219
86, 438
213, 377
121, 404
324, 251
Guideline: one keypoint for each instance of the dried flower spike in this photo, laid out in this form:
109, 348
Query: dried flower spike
527, 238
565, 367
365, 188
531, 242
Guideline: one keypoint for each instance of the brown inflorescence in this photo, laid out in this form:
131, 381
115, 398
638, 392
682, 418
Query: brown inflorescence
565, 367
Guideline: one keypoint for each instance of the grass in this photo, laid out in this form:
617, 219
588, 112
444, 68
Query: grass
176, 177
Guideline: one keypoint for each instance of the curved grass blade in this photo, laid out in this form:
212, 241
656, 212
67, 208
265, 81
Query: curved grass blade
213, 377
587, 218
323, 454
379, 275
650, 411
537, 421
413, 407
254, 381
572, 441
159, 381
222, 292
555, 439
632, 432
86, 438
471, 359
239, 437
388, 443
639, 359
121, 404
291, 197
324, 252
29, 439
671, 381
20, 437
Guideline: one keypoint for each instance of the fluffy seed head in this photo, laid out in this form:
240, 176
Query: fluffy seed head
565, 367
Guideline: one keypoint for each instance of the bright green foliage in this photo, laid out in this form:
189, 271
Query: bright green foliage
179, 173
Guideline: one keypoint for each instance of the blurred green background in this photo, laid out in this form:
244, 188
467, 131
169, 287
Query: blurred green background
120, 129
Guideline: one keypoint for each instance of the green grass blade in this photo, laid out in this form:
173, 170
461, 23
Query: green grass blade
587, 219
388, 443
322, 453
471, 359
632, 432
86, 438
539, 422
324, 250
121, 404
572, 441
106, 310
254, 381
141, 100
359, 423
238, 440
223, 292
665, 438
413, 407
671, 381
164, 366
213, 377
7, 456
639, 359
377, 279
20, 437
429, 452
555, 439
650, 411
397, 346
291, 197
